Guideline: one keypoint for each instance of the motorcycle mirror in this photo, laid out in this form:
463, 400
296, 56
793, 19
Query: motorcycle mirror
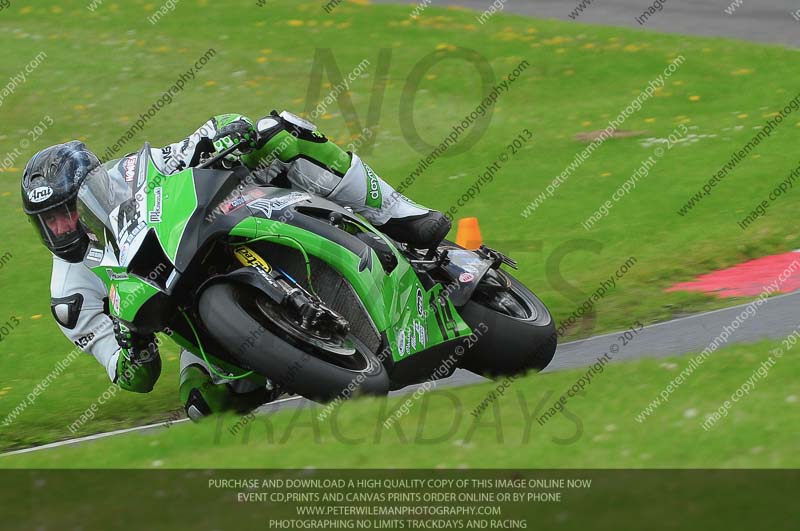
265, 124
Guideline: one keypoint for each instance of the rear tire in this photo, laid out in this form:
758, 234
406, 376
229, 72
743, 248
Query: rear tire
226, 312
511, 344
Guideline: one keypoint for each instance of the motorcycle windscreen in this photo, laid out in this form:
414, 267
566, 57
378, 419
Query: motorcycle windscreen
103, 190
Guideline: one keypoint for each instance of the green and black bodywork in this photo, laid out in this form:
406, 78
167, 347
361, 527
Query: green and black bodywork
270, 282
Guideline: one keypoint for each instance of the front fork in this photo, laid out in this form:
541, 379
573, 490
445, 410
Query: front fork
308, 310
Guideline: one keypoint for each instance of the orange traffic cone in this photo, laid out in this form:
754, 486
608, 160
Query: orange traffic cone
468, 235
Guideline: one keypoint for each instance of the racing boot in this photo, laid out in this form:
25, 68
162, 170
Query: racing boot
203, 395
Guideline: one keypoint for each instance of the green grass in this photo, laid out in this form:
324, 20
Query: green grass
104, 68
599, 430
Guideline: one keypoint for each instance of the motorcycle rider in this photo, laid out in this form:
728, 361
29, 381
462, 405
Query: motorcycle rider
284, 148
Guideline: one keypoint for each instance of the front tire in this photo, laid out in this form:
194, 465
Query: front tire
229, 313
520, 333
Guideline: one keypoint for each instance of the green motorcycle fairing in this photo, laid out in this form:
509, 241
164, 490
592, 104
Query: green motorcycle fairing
149, 236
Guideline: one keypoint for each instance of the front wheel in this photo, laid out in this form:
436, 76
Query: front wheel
259, 338
520, 334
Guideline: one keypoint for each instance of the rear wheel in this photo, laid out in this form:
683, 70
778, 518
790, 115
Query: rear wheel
261, 337
520, 334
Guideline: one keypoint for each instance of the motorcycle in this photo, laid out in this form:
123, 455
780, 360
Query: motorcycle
267, 282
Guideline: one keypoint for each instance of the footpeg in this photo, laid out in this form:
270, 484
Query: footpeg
497, 258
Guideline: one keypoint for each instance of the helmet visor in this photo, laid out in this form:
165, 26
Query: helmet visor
58, 226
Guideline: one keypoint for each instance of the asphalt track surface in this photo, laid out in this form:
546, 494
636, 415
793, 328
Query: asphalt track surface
768, 21
776, 318
772, 22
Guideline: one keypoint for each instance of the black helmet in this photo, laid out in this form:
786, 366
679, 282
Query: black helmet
50, 186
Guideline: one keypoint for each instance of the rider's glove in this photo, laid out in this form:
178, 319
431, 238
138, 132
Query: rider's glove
235, 129
138, 365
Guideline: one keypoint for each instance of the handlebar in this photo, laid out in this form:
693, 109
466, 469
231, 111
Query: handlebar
219, 156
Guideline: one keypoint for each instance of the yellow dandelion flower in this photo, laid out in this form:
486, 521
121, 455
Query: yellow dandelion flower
210, 83
262, 60
606, 174
36, 317
742, 72
694, 98
586, 123
649, 120
266, 51
295, 22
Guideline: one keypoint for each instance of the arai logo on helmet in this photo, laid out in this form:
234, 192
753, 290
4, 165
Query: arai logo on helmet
37, 195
